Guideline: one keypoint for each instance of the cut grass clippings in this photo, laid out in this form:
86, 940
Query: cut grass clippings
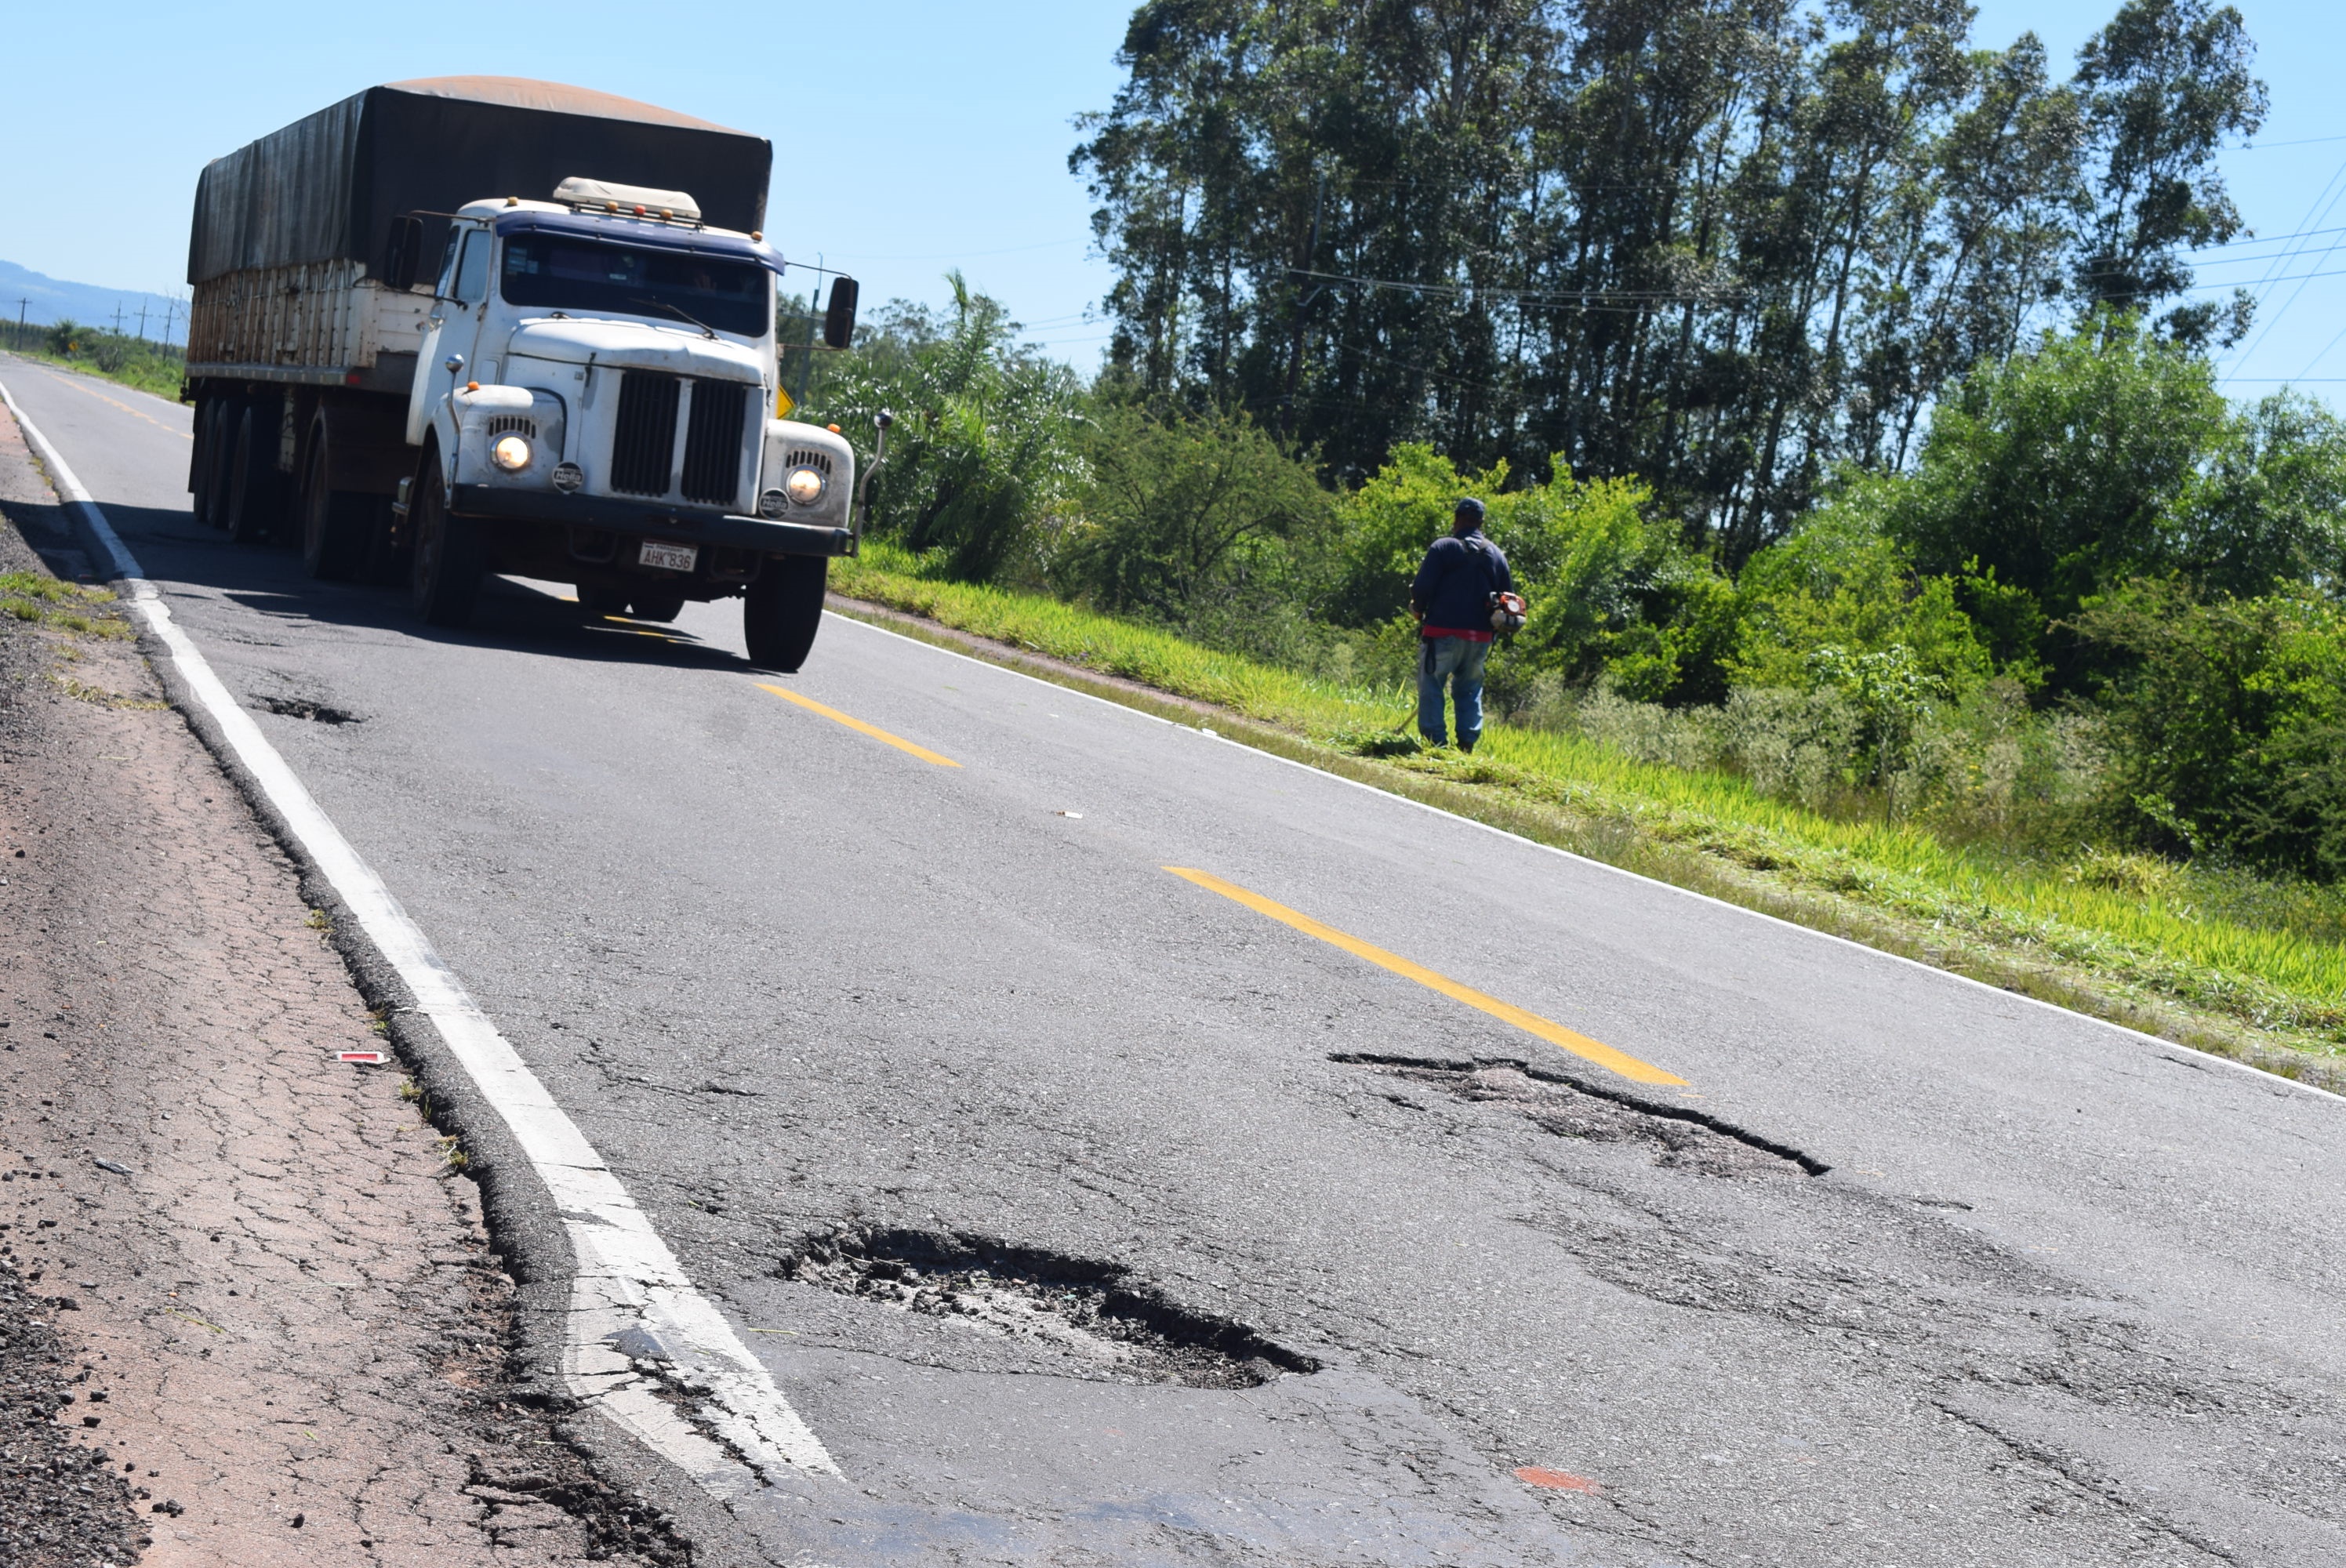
2151, 961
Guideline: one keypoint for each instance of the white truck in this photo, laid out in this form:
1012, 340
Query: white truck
473, 325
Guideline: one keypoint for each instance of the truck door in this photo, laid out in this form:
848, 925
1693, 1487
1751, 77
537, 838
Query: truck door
452, 331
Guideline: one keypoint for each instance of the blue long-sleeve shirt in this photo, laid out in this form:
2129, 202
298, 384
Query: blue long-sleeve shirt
1454, 585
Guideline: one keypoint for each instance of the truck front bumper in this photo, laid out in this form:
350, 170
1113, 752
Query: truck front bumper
650, 519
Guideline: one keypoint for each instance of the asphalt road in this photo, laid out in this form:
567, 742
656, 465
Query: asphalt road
831, 1009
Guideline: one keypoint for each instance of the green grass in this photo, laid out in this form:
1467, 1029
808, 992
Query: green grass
2135, 954
145, 367
66, 607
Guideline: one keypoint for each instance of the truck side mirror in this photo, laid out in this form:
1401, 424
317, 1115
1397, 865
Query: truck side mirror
838, 320
402, 253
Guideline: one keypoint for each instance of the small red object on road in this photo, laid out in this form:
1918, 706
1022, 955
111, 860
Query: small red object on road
1556, 1480
373, 1058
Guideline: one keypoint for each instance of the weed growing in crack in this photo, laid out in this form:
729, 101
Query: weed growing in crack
102, 697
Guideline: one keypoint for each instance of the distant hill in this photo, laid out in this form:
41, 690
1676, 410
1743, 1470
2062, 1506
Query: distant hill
45, 300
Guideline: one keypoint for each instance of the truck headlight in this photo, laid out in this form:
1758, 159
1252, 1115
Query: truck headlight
806, 485
510, 453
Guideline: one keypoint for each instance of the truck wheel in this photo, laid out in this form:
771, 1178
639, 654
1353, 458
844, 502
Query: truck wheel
199, 468
255, 498
782, 609
336, 525
655, 607
446, 579
211, 495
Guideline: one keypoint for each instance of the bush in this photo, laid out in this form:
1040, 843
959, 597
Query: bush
1604, 584
1840, 582
983, 449
2061, 474
2228, 723
1178, 514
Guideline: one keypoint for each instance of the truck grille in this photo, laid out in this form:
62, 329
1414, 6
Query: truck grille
713, 443
643, 447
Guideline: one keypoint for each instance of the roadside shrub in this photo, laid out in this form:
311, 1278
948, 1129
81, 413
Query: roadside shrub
983, 449
1840, 582
1181, 515
2228, 723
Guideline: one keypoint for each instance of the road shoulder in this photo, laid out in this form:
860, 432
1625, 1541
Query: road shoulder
274, 1303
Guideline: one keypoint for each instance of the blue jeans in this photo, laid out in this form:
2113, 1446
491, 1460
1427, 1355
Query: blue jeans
1456, 663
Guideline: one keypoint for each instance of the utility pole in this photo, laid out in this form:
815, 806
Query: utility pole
142, 320
19, 344
118, 317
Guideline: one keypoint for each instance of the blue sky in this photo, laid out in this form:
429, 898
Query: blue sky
933, 134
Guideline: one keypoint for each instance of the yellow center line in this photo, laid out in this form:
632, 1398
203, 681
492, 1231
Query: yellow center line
874, 731
611, 623
1554, 1034
75, 382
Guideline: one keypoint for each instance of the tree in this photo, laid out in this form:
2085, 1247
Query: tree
2062, 472
1722, 244
2163, 85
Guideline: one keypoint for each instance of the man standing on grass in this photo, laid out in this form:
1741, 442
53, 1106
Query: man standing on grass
1451, 600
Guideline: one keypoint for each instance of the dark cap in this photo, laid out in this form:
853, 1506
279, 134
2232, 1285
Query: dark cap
1468, 514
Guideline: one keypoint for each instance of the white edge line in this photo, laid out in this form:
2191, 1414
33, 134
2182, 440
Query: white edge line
626, 1277
2269, 1078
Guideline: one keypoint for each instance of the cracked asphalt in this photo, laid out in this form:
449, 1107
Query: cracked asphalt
2061, 1295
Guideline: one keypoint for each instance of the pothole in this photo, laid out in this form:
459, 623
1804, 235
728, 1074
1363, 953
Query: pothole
1683, 1139
300, 707
1087, 1315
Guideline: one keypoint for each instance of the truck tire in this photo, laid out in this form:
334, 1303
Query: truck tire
446, 571
199, 468
212, 455
337, 526
782, 610
256, 498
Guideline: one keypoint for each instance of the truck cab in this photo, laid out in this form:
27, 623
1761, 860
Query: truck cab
592, 404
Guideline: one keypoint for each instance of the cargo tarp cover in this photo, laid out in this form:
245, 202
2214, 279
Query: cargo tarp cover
329, 186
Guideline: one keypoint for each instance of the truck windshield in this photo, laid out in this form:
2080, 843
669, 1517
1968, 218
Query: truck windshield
558, 272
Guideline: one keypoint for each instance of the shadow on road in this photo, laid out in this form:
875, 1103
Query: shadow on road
269, 579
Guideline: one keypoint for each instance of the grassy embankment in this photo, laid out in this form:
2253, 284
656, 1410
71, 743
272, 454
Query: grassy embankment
2244, 983
149, 367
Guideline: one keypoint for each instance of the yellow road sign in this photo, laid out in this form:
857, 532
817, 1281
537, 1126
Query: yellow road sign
783, 402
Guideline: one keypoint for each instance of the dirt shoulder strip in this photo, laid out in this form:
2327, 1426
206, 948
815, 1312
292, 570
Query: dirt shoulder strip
249, 1300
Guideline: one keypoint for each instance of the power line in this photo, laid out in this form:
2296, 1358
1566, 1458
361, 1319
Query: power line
2301, 141
1579, 296
2324, 211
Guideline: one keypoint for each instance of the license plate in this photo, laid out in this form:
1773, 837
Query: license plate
674, 557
